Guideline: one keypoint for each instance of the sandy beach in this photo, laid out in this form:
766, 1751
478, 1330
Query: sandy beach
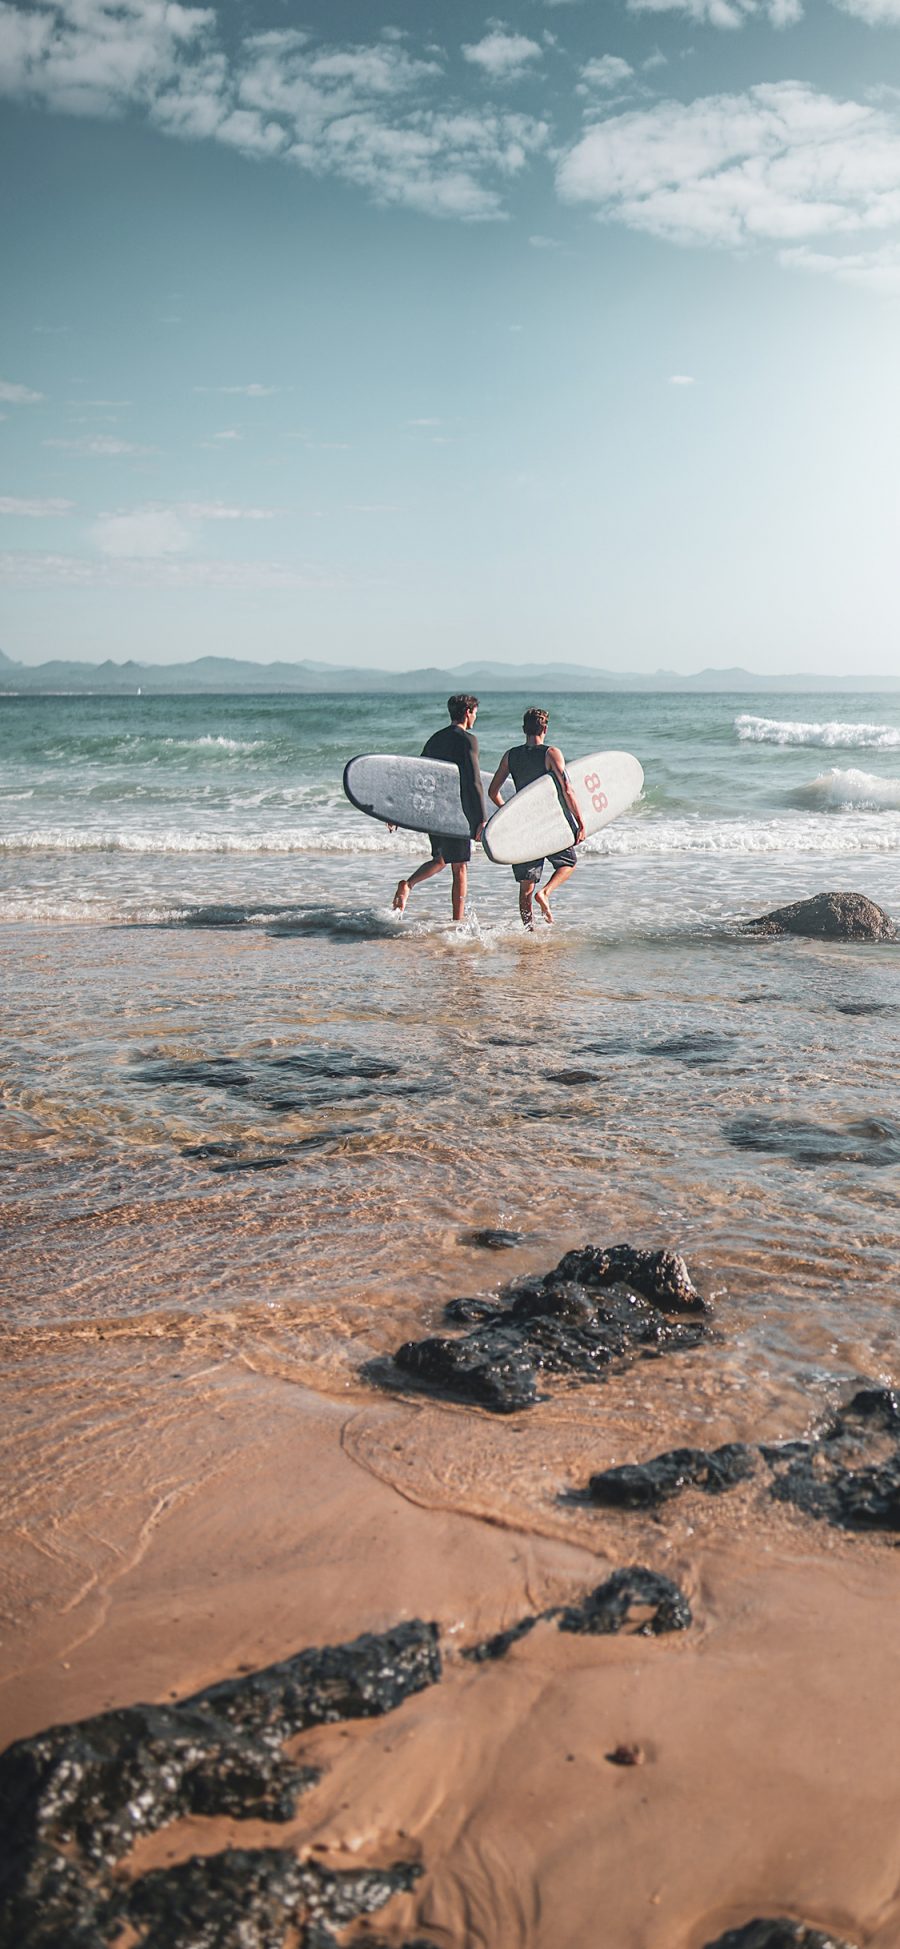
266, 1147
205, 1519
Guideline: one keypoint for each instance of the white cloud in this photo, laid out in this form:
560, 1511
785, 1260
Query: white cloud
607, 72
781, 162
254, 391
503, 56
363, 113
220, 511
681, 379
144, 535
876, 13
539, 242
101, 446
13, 395
423, 422
871, 270
31, 570
227, 433
35, 510
725, 13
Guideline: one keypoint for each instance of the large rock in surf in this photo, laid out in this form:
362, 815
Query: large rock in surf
829, 917
597, 1309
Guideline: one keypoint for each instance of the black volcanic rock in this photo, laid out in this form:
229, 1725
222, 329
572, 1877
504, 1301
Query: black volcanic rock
660, 1277
251, 1899
619, 1603
573, 1323
777, 1933
74, 1799
829, 917
645, 1485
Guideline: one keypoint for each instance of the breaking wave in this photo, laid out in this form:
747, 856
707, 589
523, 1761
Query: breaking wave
865, 828
774, 730
852, 791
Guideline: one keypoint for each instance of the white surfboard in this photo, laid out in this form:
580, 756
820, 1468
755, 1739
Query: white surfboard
421, 794
534, 824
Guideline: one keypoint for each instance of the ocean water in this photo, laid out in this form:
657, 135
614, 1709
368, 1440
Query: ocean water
247, 1110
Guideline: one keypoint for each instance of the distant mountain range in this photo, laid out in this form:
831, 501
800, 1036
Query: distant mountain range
218, 674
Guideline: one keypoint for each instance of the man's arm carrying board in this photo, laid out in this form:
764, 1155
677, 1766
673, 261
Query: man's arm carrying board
421, 794
533, 823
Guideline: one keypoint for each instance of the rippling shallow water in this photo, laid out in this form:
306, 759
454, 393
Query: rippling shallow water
248, 1111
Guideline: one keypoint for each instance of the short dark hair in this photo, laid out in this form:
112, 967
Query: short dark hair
535, 721
458, 706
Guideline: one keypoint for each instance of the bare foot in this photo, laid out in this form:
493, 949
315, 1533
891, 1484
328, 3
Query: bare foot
401, 896
544, 905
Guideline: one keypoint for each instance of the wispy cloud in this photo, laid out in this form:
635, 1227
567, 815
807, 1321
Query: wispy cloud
782, 162
364, 113
876, 13
154, 532
729, 14
144, 535
33, 570
681, 379
100, 446
14, 395
220, 511
871, 270
607, 72
34, 510
501, 55
253, 391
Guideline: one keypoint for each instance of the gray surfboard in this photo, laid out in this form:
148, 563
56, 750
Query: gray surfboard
421, 794
534, 824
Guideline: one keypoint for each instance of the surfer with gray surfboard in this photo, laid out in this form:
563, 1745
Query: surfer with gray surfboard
455, 744
525, 764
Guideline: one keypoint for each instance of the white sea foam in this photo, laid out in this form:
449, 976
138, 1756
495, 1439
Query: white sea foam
774, 730
851, 791
221, 744
867, 826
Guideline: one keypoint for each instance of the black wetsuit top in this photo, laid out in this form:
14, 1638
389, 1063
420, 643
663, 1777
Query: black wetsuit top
526, 763
455, 746
530, 761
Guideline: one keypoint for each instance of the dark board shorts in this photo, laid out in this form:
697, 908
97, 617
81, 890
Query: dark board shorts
454, 852
531, 869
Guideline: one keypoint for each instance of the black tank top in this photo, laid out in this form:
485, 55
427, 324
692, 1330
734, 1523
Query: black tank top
526, 763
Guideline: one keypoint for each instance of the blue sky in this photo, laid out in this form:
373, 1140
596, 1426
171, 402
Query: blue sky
399, 335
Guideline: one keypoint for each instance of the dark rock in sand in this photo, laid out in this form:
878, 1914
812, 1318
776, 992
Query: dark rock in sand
621, 1600
464, 1312
778, 1933
829, 917
493, 1238
574, 1323
873, 1141
842, 1474
253, 1898
703, 1046
870, 1407
661, 1277
75, 1798
488, 1366
645, 1485
615, 1605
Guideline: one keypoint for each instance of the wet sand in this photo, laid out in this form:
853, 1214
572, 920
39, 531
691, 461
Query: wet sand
198, 1480
248, 1527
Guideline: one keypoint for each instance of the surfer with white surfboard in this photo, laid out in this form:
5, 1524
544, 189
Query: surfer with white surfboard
454, 744
524, 764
